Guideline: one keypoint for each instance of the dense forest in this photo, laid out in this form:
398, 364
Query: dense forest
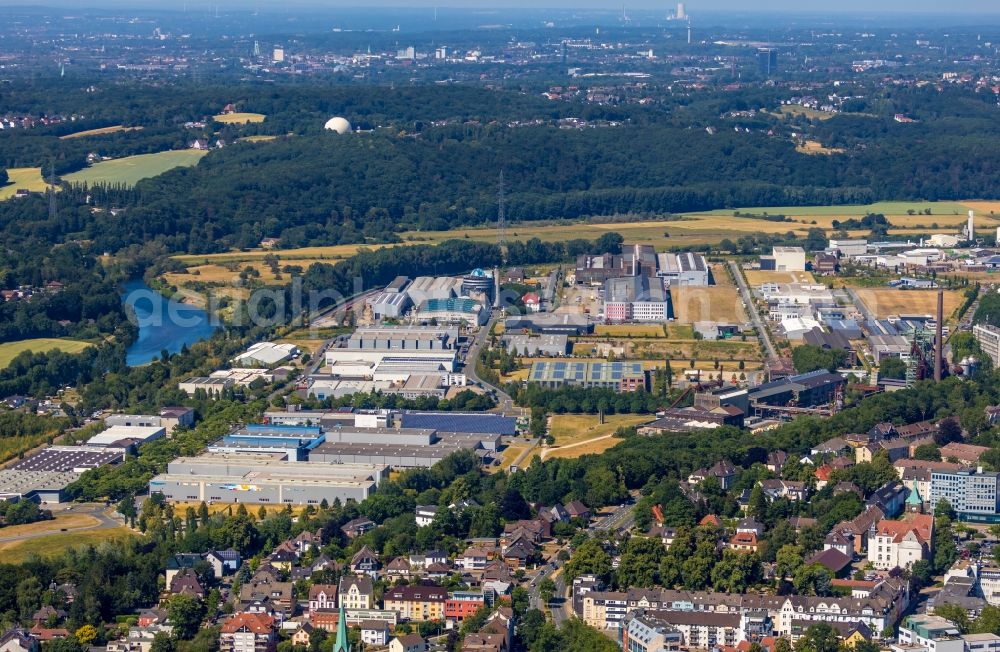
430, 158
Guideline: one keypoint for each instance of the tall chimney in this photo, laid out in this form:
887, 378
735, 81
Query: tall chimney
971, 228
938, 344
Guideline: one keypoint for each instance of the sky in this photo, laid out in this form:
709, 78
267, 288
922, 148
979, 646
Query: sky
868, 7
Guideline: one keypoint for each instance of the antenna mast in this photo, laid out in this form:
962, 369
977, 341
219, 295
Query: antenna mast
52, 192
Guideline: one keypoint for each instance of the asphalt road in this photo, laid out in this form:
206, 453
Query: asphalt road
762, 332
505, 404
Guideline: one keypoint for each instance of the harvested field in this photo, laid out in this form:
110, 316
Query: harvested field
98, 132
239, 118
885, 302
693, 304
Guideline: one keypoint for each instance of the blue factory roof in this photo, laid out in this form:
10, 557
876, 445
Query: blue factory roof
492, 424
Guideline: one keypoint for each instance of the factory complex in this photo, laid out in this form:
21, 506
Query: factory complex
302, 458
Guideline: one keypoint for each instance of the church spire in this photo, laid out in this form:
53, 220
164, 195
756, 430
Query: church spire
342, 644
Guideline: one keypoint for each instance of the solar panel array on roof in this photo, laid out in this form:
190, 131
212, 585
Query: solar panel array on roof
62, 459
493, 424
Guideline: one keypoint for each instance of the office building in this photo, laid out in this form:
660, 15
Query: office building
988, 338
619, 376
973, 494
644, 631
636, 298
930, 632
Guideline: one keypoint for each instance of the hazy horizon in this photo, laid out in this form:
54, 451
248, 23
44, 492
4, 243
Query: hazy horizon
788, 7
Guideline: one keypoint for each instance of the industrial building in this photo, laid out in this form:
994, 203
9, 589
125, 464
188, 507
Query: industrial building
635, 260
804, 390
390, 305
848, 248
294, 441
463, 422
44, 476
619, 376
265, 479
403, 344
126, 436
784, 259
682, 269
433, 287
169, 417
636, 298
400, 447
550, 323
456, 310
537, 345
731, 396
266, 354
211, 386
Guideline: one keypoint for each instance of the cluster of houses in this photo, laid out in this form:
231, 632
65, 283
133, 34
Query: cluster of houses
267, 607
25, 292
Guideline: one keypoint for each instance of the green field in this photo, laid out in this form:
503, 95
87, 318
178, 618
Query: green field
131, 169
10, 350
16, 552
27, 178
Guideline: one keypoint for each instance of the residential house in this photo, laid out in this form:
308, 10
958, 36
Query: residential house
744, 542
247, 632
356, 592
576, 509
776, 461
750, 525
425, 514
535, 529
365, 562
179, 561
223, 562
790, 489
417, 602
357, 527
408, 643
186, 582
555, 514
840, 541
399, 567
474, 558
375, 633
722, 471
834, 560
44, 634
893, 544
18, 640
890, 499
302, 634
322, 597
266, 597
967, 454
519, 553
857, 529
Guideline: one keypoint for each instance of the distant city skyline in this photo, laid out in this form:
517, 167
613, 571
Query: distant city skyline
736, 6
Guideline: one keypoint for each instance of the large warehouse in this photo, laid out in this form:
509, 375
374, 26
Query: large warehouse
44, 476
265, 479
401, 344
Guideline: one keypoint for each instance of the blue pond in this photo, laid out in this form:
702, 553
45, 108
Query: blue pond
164, 324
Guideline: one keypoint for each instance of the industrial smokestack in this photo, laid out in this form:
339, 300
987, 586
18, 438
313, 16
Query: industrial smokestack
938, 344
971, 227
